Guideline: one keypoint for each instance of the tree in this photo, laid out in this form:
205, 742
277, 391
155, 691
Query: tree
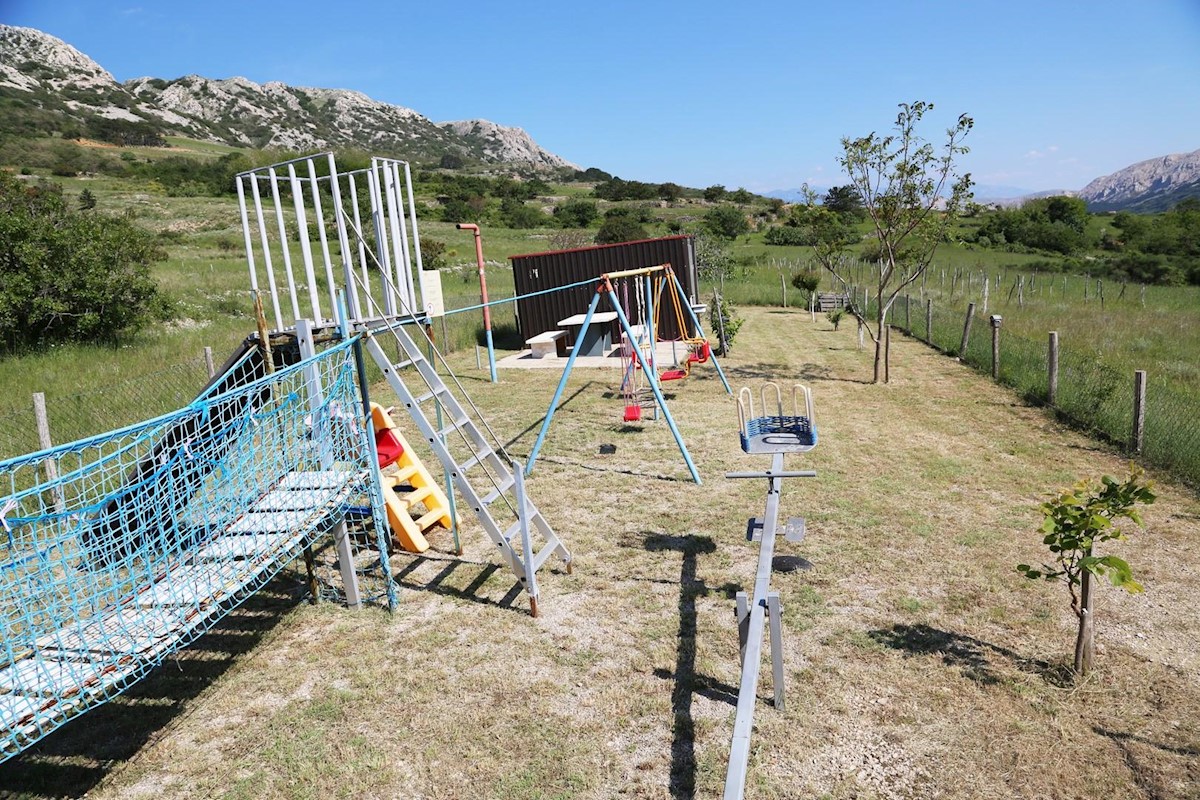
902, 181
844, 200
620, 228
726, 221
87, 200
451, 161
670, 192
714, 193
576, 213
714, 262
66, 276
1074, 522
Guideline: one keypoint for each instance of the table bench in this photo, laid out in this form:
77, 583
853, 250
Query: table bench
550, 343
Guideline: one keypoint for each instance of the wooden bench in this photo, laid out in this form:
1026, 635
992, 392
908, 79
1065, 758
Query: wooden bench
550, 343
828, 301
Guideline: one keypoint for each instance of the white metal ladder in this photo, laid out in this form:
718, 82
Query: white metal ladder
509, 517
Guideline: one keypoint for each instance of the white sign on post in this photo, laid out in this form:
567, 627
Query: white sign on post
431, 293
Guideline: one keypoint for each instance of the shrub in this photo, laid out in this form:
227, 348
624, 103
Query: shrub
67, 275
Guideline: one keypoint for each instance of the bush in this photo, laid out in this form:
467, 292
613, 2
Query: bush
576, 214
620, 228
69, 276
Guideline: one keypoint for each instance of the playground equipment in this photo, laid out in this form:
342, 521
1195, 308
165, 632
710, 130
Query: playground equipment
383, 312
147, 537
640, 358
393, 449
778, 434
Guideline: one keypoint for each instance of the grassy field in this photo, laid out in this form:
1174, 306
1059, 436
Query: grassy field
919, 664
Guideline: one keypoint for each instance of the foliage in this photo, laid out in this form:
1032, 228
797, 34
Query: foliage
69, 276
727, 221
591, 174
902, 182
1074, 522
845, 200
620, 228
576, 213
835, 316
724, 321
714, 261
125, 133
1055, 224
670, 191
515, 214
714, 193
86, 200
618, 189
433, 254
807, 282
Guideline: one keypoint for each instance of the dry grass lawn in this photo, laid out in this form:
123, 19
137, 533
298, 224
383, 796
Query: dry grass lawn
919, 663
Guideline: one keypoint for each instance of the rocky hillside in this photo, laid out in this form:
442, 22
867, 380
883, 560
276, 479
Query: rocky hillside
38, 71
1153, 185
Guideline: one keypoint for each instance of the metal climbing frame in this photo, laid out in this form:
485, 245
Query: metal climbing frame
778, 434
363, 221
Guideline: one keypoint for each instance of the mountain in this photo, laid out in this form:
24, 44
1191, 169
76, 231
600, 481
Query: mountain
42, 73
1147, 186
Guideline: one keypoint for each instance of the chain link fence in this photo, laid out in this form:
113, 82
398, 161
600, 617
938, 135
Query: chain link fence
105, 408
1090, 394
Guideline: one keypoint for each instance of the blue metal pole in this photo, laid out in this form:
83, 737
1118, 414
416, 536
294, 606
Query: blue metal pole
562, 383
699, 329
652, 377
492, 355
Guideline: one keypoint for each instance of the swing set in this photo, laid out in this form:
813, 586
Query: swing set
640, 385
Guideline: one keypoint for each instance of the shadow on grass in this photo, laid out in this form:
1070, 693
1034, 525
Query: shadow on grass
1143, 775
973, 656
76, 757
687, 682
471, 592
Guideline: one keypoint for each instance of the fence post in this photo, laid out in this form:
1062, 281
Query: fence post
908, 314
986, 283
49, 465
1052, 361
1139, 410
995, 346
962, 347
929, 320
783, 289
208, 362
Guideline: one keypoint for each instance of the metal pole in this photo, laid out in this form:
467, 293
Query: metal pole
562, 383
483, 298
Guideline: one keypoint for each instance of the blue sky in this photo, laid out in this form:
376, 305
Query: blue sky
752, 93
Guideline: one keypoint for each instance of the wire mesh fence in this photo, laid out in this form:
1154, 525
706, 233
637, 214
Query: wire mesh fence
104, 408
1090, 393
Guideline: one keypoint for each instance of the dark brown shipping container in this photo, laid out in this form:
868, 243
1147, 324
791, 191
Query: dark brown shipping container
537, 272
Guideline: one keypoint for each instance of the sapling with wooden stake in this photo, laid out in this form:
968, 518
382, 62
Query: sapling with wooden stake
1075, 521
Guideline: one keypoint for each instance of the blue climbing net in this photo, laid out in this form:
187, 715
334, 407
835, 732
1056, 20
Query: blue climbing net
117, 550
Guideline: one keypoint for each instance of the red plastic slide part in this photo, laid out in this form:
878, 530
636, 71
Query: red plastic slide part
387, 447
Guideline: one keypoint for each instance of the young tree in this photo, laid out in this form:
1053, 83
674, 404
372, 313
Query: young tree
902, 181
1075, 521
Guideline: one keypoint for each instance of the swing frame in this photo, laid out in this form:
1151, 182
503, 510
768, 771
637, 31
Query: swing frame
604, 288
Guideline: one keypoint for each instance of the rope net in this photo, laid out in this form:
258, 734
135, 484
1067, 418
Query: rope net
117, 550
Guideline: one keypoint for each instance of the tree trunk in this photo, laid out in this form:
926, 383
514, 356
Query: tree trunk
1085, 642
880, 344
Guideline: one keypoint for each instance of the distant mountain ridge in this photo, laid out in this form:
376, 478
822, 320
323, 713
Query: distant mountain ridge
1156, 184
37, 67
